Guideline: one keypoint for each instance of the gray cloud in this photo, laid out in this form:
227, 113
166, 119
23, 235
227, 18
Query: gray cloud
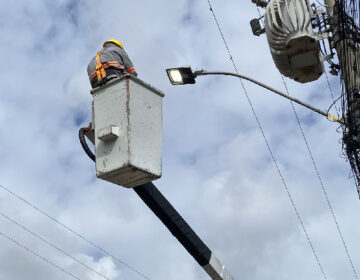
216, 168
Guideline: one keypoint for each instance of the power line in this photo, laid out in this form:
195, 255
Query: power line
261, 18
321, 181
325, 193
53, 246
316, 168
39, 256
269, 148
315, 165
332, 94
74, 232
339, 113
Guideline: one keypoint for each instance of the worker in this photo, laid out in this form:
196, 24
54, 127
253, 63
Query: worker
110, 62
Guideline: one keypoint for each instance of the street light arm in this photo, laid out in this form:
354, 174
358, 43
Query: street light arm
327, 115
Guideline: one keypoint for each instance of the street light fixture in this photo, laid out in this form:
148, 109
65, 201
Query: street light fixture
184, 75
181, 75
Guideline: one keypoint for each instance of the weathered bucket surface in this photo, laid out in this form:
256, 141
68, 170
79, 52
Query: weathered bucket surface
127, 119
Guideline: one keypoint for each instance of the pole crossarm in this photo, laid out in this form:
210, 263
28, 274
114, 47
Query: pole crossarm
321, 112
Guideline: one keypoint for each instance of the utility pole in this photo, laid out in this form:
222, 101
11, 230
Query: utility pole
346, 37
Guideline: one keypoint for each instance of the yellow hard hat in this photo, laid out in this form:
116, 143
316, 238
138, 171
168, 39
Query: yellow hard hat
116, 42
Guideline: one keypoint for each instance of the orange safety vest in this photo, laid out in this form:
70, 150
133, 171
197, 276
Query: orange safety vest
100, 72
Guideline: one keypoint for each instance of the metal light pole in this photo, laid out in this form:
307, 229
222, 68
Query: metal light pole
184, 75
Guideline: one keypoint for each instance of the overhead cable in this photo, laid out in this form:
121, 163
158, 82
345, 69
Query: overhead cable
74, 232
39, 256
269, 148
321, 182
317, 171
332, 94
53, 246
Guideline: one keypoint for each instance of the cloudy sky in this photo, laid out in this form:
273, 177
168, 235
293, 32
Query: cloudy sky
217, 170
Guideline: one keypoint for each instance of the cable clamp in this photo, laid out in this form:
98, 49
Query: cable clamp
334, 118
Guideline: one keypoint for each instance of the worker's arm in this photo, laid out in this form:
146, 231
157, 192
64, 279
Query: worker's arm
91, 67
129, 66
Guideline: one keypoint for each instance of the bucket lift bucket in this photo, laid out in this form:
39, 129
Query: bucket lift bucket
127, 120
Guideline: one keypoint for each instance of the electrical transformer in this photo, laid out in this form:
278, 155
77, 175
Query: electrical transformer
127, 122
293, 43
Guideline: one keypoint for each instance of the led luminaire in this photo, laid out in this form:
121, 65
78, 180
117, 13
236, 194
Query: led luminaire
181, 75
175, 76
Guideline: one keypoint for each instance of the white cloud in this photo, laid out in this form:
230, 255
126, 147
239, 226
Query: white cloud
217, 170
